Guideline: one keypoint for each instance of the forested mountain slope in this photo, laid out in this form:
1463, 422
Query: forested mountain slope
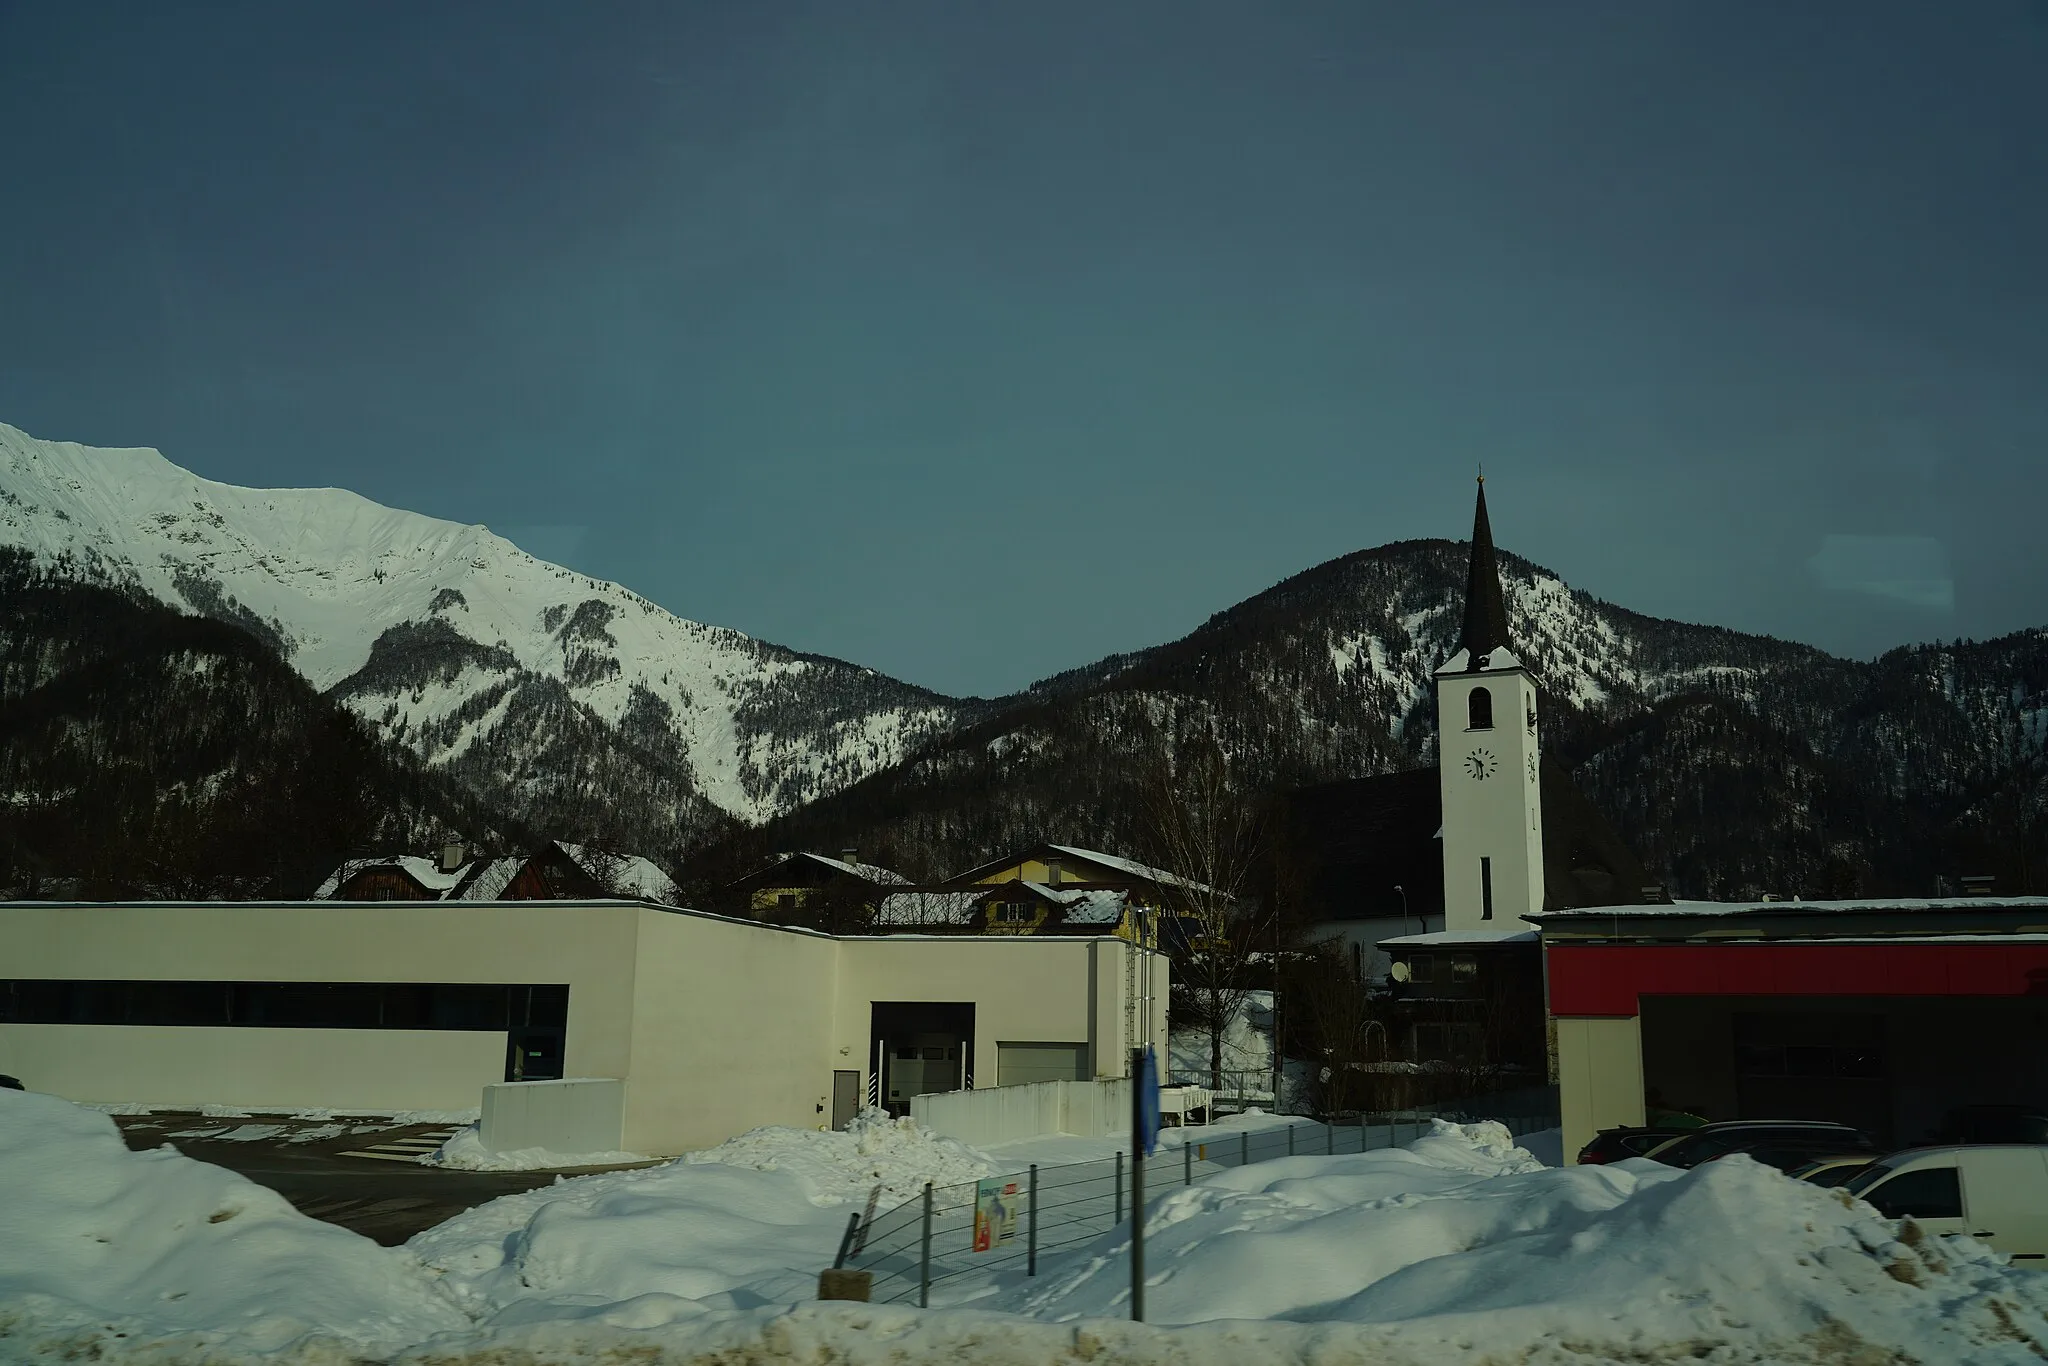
144, 752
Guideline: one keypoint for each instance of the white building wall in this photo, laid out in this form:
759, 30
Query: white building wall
731, 1026
588, 947
715, 1025
1498, 817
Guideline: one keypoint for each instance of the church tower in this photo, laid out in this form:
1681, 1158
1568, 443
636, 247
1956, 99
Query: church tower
1489, 768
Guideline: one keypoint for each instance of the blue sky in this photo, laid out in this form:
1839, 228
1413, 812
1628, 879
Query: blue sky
973, 342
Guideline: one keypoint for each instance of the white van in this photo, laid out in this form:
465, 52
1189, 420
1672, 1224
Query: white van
1998, 1195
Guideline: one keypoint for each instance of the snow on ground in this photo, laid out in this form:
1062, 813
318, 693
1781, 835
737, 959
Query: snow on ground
1460, 1249
102, 1245
465, 1151
1545, 1145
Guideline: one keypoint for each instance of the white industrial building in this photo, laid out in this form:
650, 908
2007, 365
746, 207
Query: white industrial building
713, 1025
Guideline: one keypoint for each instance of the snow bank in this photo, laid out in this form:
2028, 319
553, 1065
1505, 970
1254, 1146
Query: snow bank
896, 1154
749, 1222
102, 1248
1463, 1247
1461, 1250
465, 1151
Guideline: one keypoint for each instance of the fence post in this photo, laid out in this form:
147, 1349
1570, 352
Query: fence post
1031, 1237
1187, 1164
1244, 1147
924, 1260
1330, 1139
1290, 1140
1119, 1187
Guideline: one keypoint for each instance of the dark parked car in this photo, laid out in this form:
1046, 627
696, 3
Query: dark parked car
1781, 1143
1612, 1145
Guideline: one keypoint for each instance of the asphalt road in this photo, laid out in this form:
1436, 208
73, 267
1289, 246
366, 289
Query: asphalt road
387, 1201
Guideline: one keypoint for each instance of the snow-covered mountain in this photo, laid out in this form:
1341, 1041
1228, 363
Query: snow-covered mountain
566, 699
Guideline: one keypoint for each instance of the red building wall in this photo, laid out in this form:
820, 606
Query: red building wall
1610, 979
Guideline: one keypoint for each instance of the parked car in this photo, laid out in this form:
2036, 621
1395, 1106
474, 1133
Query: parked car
1832, 1170
1998, 1194
1612, 1145
1781, 1143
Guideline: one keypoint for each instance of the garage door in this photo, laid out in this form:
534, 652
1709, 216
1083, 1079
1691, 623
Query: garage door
1019, 1064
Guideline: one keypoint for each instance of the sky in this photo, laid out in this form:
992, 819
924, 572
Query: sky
974, 342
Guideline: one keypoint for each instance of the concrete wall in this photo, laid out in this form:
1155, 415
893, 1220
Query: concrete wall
1600, 1076
573, 1115
1085, 1109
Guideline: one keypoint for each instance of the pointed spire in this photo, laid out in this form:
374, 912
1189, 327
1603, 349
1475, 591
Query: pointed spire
1486, 614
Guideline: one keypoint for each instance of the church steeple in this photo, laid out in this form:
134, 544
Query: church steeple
1486, 614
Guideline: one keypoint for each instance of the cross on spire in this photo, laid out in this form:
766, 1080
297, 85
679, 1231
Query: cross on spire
1486, 613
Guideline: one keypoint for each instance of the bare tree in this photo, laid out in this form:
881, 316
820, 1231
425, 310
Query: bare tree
1203, 831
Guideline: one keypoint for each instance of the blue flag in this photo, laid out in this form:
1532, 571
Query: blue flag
1147, 1082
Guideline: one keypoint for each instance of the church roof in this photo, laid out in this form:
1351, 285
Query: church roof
1486, 612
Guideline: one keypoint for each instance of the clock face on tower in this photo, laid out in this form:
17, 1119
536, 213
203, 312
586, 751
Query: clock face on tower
1480, 764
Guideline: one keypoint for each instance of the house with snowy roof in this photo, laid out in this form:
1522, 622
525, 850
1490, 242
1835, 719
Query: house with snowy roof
811, 889
557, 871
1015, 907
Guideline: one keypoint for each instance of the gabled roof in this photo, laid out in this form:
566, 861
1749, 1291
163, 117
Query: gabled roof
819, 863
425, 871
1131, 868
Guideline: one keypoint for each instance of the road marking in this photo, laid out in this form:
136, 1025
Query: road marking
408, 1149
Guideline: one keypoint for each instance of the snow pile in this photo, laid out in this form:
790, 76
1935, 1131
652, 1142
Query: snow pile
101, 1247
670, 1242
896, 1154
465, 1151
1463, 1248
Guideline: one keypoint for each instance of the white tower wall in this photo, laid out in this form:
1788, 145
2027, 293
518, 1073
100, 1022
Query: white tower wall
1490, 778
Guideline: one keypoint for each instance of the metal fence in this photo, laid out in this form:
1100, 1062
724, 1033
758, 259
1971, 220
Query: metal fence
931, 1237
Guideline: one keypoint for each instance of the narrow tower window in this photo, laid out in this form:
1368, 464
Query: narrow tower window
1479, 710
1486, 889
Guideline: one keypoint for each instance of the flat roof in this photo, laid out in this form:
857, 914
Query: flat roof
1444, 939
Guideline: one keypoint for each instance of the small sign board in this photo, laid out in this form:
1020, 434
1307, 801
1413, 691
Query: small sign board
995, 1213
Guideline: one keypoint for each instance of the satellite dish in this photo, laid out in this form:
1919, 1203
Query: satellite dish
1400, 972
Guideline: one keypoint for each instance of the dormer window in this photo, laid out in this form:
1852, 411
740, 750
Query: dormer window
1479, 710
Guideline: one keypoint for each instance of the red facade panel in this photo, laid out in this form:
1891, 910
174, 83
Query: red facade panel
1609, 979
